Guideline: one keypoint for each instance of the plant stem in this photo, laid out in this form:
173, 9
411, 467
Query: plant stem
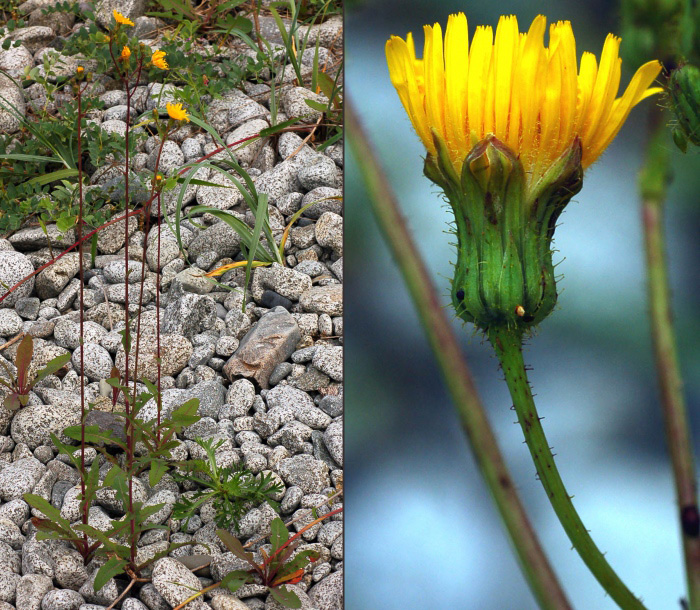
508, 346
654, 179
533, 562
81, 275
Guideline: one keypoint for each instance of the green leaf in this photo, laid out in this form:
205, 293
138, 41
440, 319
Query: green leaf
52, 366
112, 568
186, 414
23, 360
235, 580
59, 174
63, 223
12, 402
31, 158
279, 534
234, 545
93, 249
271, 131
301, 560
49, 510
317, 106
284, 596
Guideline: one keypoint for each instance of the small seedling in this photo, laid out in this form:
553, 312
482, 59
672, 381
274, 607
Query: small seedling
231, 489
21, 385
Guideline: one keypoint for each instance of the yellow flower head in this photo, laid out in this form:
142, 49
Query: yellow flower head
158, 60
534, 99
79, 70
126, 53
119, 18
177, 112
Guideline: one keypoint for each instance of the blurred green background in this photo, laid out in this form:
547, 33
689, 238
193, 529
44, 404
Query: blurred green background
422, 531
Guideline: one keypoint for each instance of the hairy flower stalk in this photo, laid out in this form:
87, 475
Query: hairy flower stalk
510, 125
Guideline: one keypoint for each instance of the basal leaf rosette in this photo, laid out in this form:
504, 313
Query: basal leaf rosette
510, 125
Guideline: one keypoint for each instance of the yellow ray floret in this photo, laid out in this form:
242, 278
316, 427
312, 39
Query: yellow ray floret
177, 112
119, 18
158, 60
533, 98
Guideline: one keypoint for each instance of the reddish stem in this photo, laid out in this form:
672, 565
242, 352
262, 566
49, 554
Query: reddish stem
82, 315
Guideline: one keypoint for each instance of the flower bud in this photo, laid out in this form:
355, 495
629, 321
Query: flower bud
504, 274
684, 93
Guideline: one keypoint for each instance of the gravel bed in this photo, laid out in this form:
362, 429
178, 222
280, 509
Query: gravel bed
269, 379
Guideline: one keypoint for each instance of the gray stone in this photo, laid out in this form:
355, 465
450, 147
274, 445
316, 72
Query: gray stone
154, 600
118, 113
14, 267
67, 333
55, 278
242, 109
15, 59
333, 439
328, 34
10, 322
33, 425
169, 198
115, 97
283, 280
98, 363
10, 534
328, 593
189, 315
175, 351
8, 586
269, 342
191, 148
62, 65
294, 104
111, 238
329, 360
21, 476
131, 603
114, 126
226, 345
279, 181
325, 199
12, 107
224, 197
165, 497
131, 9
220, 238
287, 403
306, 472
290, 143
169, 251
176, 583
31, 589
193, 280
106, 595
323, 299
28, 307
171, 158
319, 172
246, 152
33, 37
107, 497
114, 272
329, 232
62, 599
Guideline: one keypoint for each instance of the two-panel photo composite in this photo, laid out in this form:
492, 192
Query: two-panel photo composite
349, 305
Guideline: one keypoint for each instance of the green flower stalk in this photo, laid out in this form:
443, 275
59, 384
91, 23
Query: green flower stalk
510, 126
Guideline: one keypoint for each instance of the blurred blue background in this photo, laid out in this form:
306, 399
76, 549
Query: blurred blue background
422, 531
